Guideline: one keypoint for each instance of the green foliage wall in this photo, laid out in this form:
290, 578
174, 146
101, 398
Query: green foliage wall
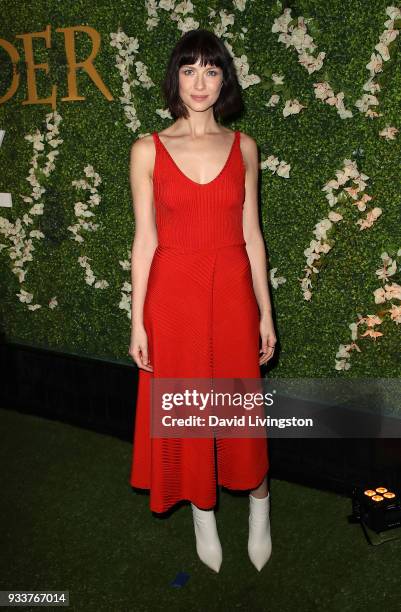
314, 142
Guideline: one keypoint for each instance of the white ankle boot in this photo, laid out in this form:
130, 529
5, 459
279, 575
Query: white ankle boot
259, 540
208, 544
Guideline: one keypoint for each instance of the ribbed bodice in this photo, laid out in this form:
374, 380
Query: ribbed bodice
194, 215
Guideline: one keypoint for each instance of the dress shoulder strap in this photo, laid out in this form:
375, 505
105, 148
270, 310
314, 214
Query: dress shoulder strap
157, 152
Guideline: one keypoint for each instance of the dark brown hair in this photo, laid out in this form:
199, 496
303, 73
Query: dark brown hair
209, 49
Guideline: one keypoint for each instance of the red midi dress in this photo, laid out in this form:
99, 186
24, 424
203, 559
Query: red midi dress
202, 320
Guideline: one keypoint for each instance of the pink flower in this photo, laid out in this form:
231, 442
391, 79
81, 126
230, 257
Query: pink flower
393, 292
372, 320
373, 334
395, 313
370, 218
352, 191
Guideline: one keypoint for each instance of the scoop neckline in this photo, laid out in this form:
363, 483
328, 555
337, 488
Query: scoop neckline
236, 132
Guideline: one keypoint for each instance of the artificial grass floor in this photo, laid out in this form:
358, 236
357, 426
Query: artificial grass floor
70, 521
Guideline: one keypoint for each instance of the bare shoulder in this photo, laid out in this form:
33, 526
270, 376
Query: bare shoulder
247, 142
142, 154
249, 148
142, 146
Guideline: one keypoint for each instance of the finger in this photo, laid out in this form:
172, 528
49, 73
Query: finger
142, 354
267, 355
137, 356
145, 358
144, 366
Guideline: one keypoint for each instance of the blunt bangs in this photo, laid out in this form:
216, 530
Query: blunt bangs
206, 47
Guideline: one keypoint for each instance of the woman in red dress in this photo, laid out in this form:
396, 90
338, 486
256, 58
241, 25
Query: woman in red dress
200, 300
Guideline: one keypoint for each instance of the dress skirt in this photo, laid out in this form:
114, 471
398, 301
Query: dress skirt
202, 320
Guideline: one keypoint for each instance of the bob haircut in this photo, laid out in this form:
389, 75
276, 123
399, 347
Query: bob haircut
209, 49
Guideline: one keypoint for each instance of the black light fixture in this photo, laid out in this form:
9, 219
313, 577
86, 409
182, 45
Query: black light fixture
378, 509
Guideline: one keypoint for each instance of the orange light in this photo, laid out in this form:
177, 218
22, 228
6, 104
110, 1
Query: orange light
389, 495
369, 492
381, 489
377, 498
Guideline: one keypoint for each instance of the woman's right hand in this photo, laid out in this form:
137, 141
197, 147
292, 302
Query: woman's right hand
139, 349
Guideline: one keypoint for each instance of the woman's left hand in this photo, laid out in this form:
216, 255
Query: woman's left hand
268, 338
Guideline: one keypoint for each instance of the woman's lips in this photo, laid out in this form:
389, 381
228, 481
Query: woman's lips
199, 97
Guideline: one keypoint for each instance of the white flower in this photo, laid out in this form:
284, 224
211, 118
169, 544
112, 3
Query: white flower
394, 12
283, 169
379, 295
239, 4
292, 107
375, 65
343, 352
272, 101
242, 70
342, 364
102, 284
389, 132
389, 268
354, 330
125, 264
25, 296
277, 79
322, 90
334, 216
280, 24
383, 50
34, 306
321, 228
275, 281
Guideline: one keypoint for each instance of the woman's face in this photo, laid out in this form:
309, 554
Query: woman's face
199, 86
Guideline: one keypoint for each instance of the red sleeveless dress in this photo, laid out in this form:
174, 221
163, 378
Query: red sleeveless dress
202, 319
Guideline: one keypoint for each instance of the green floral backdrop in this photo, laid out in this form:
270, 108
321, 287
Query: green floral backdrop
322, 88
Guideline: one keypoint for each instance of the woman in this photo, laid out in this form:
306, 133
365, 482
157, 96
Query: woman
200, 302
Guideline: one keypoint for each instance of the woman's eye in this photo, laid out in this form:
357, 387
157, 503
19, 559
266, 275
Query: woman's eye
186, 70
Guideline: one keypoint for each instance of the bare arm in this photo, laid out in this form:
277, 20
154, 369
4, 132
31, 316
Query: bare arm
255, 246
144, 243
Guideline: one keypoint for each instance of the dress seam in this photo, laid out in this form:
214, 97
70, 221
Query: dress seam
211, 331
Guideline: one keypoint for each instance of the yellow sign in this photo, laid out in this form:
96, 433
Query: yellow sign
73, 65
